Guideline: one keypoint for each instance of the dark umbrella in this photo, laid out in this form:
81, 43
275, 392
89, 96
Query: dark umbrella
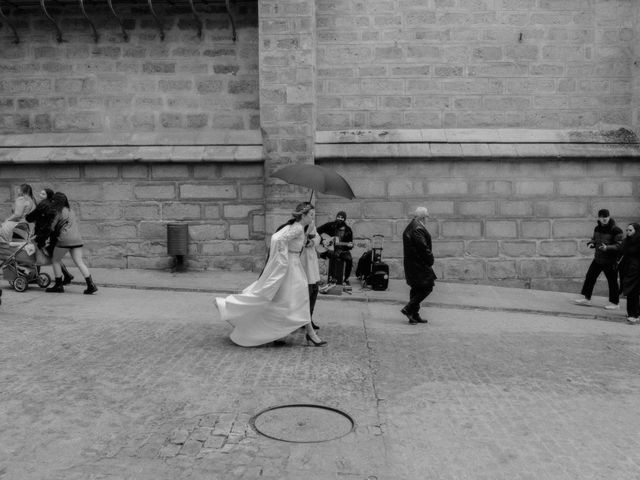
316, 178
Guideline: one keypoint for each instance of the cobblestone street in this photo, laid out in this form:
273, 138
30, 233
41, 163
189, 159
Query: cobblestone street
144, 384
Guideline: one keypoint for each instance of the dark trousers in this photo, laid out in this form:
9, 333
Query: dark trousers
313, 296
633, 304
343, 255
595, 269
416, 295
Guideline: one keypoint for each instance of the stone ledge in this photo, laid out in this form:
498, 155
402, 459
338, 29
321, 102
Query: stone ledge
129, 153
201, 138
478, 136
472, 150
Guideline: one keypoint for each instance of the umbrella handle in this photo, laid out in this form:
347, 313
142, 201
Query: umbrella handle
311, 197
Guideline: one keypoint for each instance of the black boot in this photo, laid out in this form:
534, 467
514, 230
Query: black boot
57, 286
91, 287
66, 276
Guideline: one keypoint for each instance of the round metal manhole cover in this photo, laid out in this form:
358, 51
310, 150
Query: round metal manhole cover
303, 423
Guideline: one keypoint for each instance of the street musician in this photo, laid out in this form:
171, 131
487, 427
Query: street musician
337, 242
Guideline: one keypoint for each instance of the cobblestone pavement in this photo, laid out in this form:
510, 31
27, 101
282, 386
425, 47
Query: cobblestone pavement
142, 384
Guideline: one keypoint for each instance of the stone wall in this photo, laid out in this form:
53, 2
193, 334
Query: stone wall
508, 222
124, 209
180, 84
636, 70
474, 63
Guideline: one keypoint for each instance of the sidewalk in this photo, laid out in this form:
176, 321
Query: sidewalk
445, 295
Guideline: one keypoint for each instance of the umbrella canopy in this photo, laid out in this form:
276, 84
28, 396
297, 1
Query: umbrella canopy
316, 178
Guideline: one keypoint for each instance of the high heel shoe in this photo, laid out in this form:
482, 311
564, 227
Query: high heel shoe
321, 343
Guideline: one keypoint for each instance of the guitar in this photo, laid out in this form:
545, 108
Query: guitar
329, 243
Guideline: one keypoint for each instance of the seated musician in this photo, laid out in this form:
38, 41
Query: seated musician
342, 242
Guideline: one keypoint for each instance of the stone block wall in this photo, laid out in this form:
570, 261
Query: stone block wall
636, 70
517, 222
392, 64
124, 209
180, 84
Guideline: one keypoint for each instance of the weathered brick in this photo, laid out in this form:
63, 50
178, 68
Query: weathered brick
240, 211
578, 188
447, 187
558, 208
100, 171
152, 192
448, 249
100, 211
533, 188
239, 232
160, 171
383, 209
463, 269
532, 268
557, 248
190, 191
452, 228
501, 229
482, 248
510, 208
180, 211
207, 232
149, 211
518, 248
535, 229
477, 208
572, 228
501, 269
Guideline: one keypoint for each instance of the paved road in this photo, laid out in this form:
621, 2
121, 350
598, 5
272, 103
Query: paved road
144, 384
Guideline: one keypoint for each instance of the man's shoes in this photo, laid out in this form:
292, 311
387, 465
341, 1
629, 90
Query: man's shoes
346, 282
414, 318
419, 319
582, 301
633, 320
612, 306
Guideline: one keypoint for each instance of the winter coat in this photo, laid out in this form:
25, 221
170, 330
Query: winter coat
610, 235
418, 258
65, 229
630, 264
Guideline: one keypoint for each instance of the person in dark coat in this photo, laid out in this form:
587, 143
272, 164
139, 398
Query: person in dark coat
630, 272
418, 260
42, 217
607, 241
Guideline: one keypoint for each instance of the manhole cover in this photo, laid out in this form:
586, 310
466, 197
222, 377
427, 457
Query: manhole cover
303, 423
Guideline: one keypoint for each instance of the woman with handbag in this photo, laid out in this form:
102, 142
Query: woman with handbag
630, 272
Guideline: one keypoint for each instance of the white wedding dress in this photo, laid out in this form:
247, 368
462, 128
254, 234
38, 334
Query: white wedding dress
278, 302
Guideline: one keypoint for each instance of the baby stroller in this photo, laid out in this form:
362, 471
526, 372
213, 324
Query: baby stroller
18, 258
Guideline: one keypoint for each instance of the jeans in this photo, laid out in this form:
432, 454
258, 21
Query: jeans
612, 278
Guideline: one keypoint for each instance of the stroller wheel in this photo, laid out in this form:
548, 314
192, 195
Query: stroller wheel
43, 280
20, 284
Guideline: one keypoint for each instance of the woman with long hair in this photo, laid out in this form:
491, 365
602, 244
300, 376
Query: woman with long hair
65, 237
630, 272
42, 217
277, 303
25, 203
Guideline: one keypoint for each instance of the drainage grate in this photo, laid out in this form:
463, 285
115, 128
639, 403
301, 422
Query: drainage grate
303, 423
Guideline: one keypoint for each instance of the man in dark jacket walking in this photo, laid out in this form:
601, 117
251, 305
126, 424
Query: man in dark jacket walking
418, 260
607, 241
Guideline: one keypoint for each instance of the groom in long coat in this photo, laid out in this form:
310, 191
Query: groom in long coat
418, 260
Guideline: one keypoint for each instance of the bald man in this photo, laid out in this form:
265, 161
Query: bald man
418, 260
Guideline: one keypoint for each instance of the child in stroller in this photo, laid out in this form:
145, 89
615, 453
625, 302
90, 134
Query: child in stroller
19, 258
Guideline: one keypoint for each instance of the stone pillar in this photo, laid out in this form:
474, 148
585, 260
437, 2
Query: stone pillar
635, 70
287, 97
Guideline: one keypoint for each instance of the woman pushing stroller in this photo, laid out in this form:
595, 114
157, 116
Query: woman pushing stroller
64, 237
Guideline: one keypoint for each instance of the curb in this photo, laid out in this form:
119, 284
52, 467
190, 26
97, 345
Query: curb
351, 298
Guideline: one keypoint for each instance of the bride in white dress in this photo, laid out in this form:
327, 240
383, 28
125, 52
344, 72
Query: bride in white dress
278, 302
